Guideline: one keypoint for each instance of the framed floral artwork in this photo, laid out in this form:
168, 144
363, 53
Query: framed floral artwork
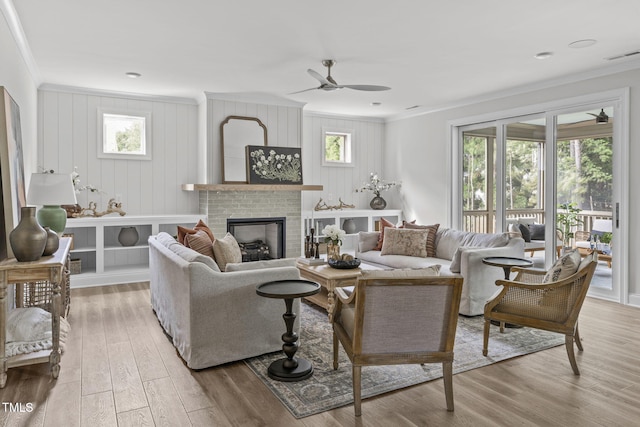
273, 165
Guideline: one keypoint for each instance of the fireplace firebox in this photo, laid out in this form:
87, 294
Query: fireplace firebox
259, 238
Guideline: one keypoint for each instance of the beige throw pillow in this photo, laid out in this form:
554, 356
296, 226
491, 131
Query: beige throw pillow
226, 250
403, 241
431, 237
564, 267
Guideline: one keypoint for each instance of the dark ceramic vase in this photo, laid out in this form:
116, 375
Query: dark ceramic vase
53, 242
378, 203
28, 239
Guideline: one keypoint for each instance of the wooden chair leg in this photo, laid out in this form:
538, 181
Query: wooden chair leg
335, 351
485, 338
357, 401
447, 370
568, 342
576, 336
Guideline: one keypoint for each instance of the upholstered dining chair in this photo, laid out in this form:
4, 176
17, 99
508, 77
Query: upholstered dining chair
552, 306
398, 317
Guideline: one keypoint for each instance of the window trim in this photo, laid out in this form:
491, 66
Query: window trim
349, 147
101, 111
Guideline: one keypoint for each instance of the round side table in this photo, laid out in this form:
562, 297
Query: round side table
289, 368
507, 263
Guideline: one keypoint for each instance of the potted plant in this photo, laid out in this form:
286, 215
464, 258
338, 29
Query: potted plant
605, 239
567, 219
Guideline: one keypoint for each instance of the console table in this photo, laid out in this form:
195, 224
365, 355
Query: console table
53, 270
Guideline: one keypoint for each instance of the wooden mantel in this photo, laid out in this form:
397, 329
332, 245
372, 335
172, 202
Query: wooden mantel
249, 187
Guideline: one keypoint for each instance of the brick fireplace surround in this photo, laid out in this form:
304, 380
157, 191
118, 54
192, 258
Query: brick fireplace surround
220, 205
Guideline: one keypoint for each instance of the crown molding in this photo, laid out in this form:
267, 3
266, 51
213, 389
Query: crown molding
254, 98
15, 26
520, 90
115, 94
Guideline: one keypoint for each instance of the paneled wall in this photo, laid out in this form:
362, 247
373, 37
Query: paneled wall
282, 118
68, 137
338, 181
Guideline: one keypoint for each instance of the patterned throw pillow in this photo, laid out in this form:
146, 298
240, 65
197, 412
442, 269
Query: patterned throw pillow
199, 242
183, 231
403, 241
226, 250
564, 267
431, 237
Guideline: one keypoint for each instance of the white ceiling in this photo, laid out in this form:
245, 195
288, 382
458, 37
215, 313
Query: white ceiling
431, 53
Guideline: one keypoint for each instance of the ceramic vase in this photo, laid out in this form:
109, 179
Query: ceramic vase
28, 239
378, 203
128, 236
349, 226
53, 242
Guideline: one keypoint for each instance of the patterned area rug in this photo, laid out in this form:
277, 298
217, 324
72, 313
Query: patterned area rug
329, 389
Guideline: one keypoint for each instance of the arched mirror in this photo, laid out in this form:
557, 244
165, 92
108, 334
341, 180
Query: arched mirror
236, 132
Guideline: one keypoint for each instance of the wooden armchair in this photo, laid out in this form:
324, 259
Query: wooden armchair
553, 306
398, 317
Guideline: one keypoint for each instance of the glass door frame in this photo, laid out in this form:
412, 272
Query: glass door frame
619, 99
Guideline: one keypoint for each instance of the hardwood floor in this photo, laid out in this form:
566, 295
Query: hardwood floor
119, 368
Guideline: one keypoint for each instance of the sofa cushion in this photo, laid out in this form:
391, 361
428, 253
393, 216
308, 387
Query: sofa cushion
431, 237
564, 267
183, 231
403, 241
190, 255
166, 239
199, 242
400, 261
537, 231
226, 250
384, 223
259, 265
526, 233
449, 240
368, 240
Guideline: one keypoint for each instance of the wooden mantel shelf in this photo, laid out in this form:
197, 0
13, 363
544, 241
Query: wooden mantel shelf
249, 187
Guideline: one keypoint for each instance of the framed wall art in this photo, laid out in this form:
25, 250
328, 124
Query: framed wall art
273, 165
13, 194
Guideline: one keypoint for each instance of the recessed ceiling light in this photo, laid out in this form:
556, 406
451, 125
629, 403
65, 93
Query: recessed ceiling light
133, 75
376, 104
543, 55
579, 44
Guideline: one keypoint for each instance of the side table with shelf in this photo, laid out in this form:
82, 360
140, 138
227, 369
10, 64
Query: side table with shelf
51, 276
103, 260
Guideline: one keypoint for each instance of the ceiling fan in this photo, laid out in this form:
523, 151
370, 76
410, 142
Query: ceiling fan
329, 84
601, 118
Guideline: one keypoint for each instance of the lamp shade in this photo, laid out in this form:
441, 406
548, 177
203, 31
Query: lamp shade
51, 190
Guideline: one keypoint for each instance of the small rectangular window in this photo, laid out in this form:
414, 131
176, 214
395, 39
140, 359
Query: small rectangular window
124, 135
337, 148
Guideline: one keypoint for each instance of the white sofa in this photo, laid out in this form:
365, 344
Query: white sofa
211, 316
479, 278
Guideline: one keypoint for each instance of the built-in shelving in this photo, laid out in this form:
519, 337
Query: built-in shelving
103, 260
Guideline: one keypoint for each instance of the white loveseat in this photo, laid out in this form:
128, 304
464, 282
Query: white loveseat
479, 278
211, 316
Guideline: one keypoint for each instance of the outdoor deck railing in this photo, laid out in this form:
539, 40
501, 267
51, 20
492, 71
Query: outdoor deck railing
477, 221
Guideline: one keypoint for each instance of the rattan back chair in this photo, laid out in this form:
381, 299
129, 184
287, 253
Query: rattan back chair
398, 320
553, 306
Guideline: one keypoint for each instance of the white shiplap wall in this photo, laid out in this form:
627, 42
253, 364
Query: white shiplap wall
341, 182
67, 137
283, 121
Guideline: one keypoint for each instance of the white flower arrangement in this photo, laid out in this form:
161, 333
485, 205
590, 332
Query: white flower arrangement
75, 179
333, 234
376, 185
283, 167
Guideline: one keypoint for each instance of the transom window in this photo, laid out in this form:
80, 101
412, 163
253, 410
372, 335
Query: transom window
337, 148
124, 135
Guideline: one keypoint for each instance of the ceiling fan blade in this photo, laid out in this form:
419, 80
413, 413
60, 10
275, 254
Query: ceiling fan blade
372, 88
319, 77
304, 90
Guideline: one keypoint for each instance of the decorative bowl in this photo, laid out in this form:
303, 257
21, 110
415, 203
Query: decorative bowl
344, 265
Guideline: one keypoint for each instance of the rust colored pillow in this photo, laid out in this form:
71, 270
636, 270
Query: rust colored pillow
183, 231
199, 242
431, 237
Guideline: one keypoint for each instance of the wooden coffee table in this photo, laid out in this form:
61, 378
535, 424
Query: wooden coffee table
330, 278
601, 255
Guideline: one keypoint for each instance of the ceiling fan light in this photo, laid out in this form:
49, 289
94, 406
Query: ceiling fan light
602, 118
